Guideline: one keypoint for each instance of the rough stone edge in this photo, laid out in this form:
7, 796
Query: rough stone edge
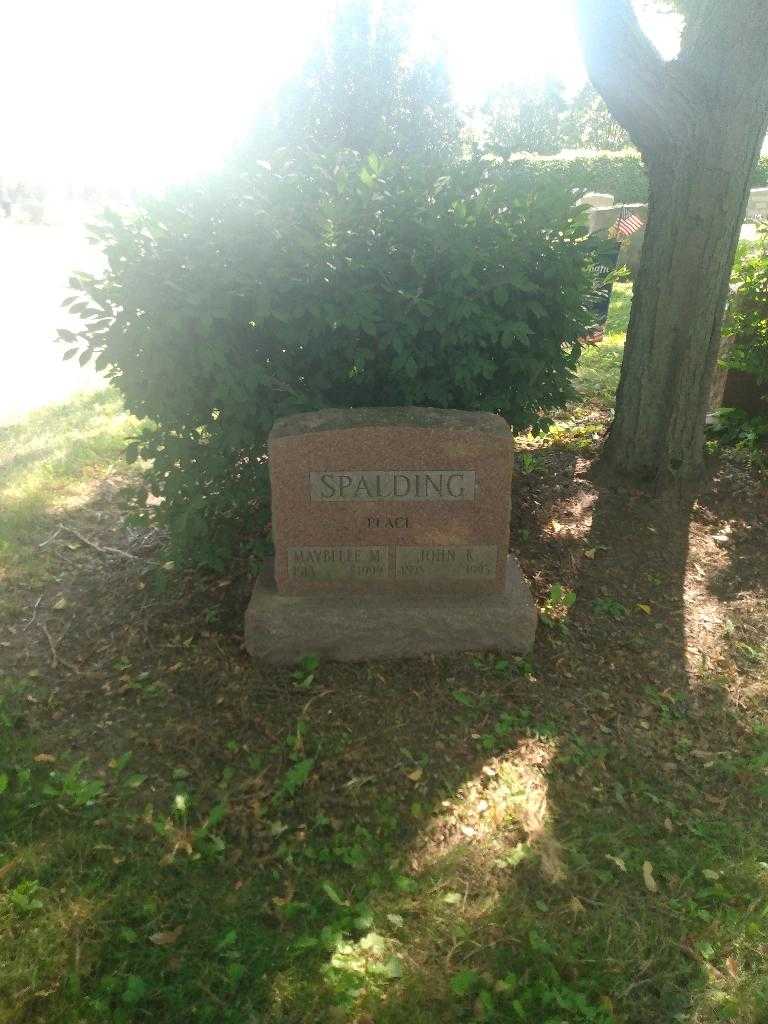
281, 629
404, 416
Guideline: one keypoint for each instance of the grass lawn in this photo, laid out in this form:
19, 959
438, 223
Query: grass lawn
576, 837
601, 364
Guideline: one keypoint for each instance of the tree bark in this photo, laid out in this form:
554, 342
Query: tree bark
699, 121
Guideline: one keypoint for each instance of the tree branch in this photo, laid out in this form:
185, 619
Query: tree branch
645, 94
735, 29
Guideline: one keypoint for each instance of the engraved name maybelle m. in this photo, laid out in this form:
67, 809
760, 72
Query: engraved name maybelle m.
394, 485
338, 563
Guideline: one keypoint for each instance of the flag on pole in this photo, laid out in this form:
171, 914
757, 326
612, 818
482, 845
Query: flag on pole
627, 223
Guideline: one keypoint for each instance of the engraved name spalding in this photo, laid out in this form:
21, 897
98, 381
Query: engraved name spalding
394, 485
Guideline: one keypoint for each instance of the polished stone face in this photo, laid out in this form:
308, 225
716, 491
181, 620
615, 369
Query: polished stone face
357, 505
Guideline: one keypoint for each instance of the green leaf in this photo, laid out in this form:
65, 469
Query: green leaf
297, 775
464, 982
463, 698
218, 813
227, 941
332, 895
135, 990
392, 968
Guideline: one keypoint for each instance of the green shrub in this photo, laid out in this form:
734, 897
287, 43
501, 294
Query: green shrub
734, 428
320, 283
748, 316
760, 173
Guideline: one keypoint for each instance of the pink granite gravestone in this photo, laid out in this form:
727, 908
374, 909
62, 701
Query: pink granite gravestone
391, 531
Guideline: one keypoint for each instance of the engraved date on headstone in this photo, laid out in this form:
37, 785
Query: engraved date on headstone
338, 563
464, 562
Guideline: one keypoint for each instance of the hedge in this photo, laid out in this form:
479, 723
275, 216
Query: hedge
620, 174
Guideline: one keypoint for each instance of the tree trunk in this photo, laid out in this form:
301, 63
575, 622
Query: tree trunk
699, 122
696, 209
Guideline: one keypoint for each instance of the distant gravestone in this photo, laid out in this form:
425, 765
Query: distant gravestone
391, 531
732, 388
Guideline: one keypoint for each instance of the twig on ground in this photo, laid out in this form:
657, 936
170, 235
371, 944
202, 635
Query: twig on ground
34, 613
8, 867
53, 536
56, 658
102, 549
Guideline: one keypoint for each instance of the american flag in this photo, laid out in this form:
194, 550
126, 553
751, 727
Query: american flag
627, 223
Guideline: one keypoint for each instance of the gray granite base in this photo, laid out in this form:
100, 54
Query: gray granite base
341, 627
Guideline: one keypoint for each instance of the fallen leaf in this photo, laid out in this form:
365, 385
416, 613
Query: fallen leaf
732, 967
414, 776
44, 758
166, 938
373, 942
590, 552
59, 604
710, 874
576, 905
617, 861
452, 898
668, 825
650, 881
644, 608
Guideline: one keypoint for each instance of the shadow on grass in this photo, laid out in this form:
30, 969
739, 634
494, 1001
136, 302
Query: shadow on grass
188, 835
438, 840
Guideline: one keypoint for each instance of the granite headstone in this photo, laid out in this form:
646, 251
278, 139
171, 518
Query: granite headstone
391, 533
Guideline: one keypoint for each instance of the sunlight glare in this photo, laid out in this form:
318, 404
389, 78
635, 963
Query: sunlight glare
147, 94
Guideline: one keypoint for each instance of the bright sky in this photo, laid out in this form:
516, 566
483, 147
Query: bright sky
147, 92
